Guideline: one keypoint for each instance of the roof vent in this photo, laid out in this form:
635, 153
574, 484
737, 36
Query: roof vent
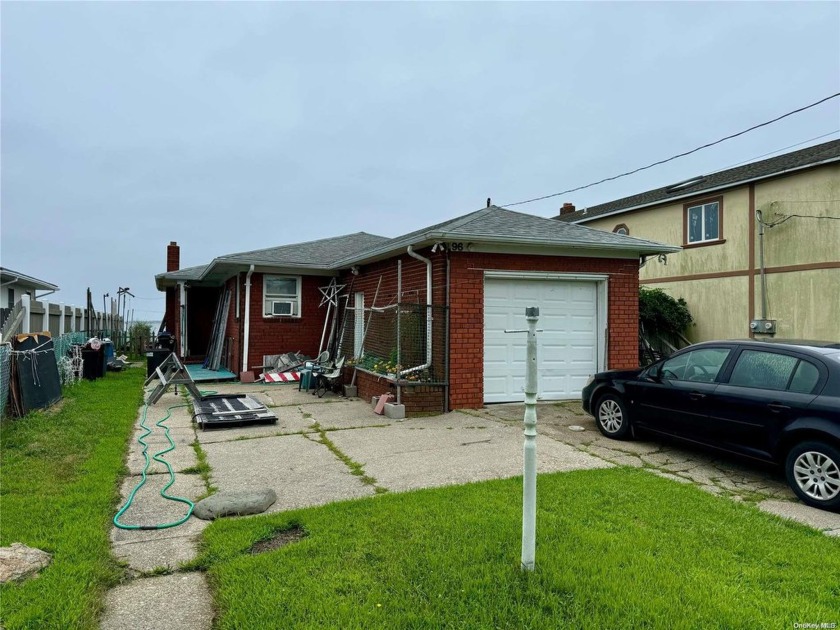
686, 184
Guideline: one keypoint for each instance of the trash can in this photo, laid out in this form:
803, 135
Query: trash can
154, 357
93, 363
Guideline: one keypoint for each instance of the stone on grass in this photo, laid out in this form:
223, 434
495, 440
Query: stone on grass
235, 503
19, 561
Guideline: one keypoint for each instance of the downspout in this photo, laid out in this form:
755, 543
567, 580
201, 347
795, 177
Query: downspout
182, 296
428, 362
247, 333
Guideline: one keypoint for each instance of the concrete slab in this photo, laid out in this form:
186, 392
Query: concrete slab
345, 413
818, 519
451, 449
170, 602
300, 471
182, 457
289, 420
149, 508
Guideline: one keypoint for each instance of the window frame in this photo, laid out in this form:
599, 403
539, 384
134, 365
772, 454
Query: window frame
266, 296
699, 203
621, 226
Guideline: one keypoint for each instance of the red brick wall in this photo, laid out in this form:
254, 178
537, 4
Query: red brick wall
416, 398
466, 324
275, 335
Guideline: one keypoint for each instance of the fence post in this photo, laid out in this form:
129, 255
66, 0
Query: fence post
27, 308
46, 323
72, 318
61, 319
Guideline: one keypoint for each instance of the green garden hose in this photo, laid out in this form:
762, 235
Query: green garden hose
157, 458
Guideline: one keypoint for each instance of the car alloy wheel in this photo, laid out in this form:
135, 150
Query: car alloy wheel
611, 417
817, 475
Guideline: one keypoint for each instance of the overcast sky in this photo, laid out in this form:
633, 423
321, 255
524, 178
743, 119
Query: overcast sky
235, 126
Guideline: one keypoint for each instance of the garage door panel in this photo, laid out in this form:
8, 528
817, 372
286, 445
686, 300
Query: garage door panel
567, 347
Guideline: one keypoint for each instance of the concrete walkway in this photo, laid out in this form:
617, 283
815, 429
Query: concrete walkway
292, 458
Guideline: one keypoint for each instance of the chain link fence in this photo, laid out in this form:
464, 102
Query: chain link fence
5, 370
404, 342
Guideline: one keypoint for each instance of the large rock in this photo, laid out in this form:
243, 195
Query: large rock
236, 503
19, 561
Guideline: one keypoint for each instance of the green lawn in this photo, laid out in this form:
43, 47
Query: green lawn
58, 492
616, 548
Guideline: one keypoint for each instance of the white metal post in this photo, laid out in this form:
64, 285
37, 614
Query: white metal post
529, 481
72, 318
46, 324
61, 319
27, 306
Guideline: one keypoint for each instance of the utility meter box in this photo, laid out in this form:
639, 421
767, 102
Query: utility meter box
763, 326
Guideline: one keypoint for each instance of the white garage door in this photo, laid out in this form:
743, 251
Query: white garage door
567, 349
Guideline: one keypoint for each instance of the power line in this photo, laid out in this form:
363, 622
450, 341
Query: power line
674, 157
790, 146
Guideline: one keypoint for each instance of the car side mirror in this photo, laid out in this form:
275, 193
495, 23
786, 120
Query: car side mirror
654, 373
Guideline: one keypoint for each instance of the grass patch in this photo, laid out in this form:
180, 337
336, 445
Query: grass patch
61, 471
355, 467
201, 468
617, 548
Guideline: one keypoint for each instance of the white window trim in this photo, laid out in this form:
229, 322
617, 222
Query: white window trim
702, 207
297, 298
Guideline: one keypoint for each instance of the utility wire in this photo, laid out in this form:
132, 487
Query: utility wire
674, 157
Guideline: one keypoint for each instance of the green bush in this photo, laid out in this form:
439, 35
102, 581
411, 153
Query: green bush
662, 315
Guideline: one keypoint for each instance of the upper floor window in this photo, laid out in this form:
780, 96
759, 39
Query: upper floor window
621, 228
281, 296
703, 222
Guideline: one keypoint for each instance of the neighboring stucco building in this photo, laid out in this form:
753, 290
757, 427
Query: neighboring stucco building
454, 287
718, 219
13, 284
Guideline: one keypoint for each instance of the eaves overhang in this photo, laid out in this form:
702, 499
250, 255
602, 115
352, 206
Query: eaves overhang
702, 192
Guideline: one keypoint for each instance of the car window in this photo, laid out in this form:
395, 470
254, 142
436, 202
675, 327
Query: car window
804, 378
700, 365
764, 370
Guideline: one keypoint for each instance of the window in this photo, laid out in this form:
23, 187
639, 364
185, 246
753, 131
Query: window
703, 221
281, 296
764, 370
621, 228
700, 365
805, 378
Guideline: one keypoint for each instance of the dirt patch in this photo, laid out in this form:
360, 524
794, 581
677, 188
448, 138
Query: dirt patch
279, 539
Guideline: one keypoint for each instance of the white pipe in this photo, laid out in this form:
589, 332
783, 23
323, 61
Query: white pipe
247, 319
428, 362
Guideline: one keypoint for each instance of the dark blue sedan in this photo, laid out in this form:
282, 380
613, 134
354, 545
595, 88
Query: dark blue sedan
771, 401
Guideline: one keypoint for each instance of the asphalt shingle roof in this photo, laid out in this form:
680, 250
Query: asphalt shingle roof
827, 151
322, 253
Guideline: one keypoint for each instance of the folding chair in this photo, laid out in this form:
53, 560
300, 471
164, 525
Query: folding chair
328, 380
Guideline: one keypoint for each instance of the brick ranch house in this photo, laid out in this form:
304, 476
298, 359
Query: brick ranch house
467, 280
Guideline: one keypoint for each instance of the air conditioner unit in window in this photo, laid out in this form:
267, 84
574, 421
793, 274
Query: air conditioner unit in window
282, 307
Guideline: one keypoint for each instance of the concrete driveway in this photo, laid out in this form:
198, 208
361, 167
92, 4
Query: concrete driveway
309, 458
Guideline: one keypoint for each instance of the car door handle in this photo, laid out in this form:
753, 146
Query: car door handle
777, 407
696, 395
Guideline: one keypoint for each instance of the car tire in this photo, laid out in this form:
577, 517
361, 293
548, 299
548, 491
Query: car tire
612, 418
812, 469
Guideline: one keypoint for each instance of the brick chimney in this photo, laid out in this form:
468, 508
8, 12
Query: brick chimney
173, 257
567, 208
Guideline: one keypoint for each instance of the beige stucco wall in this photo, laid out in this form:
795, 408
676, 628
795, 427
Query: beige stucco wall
719, 306
665, 224
805, 302
801, 240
